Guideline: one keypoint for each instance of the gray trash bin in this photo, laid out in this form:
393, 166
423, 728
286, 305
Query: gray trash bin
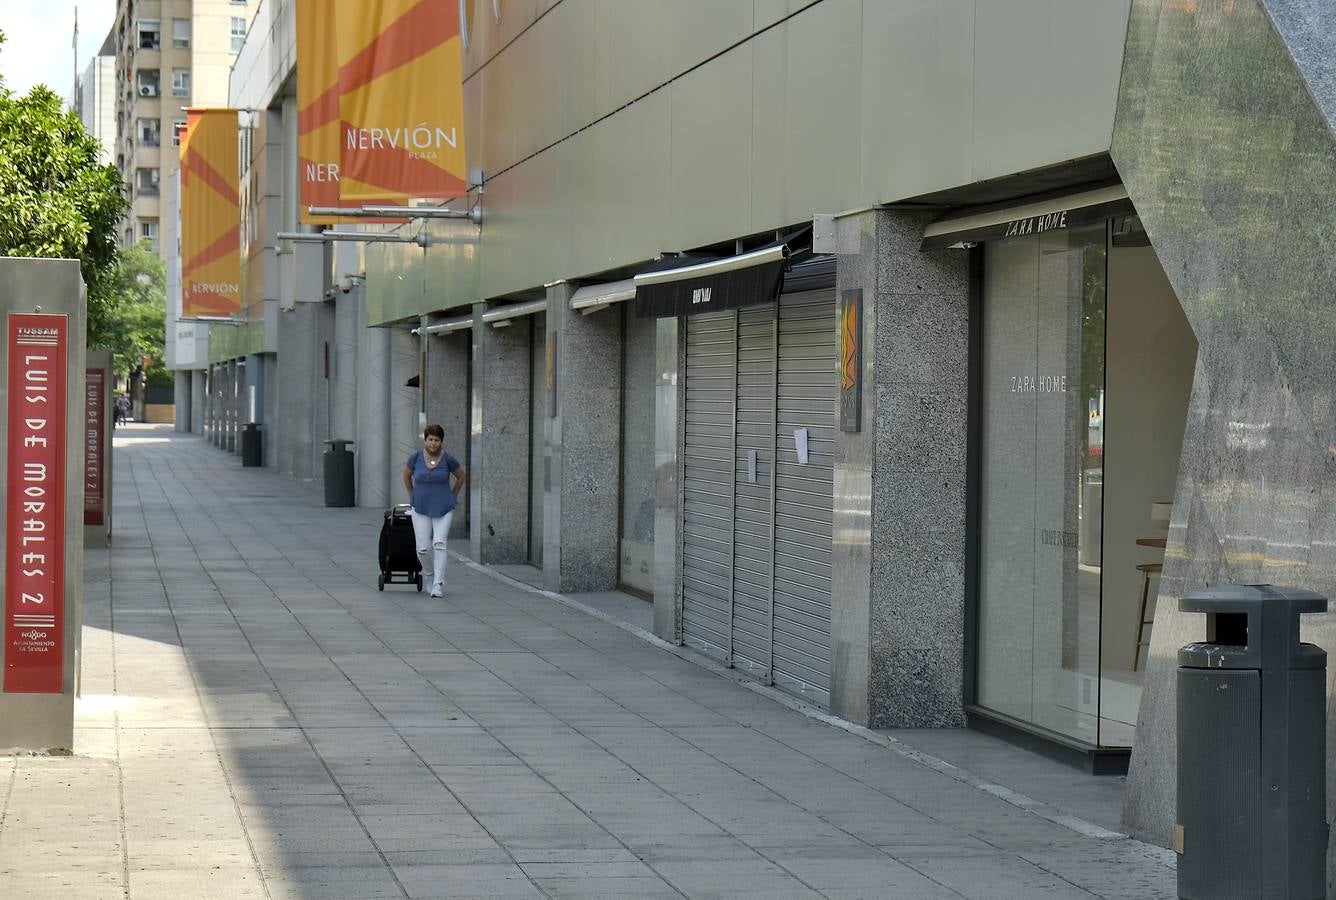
340, 489
1252, 748
250, 445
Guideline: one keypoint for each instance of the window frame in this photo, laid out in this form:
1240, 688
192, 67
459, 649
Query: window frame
143, 134
148, 27
238, 37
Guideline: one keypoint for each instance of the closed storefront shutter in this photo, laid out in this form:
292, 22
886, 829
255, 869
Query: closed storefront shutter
753, 545
806, 399
707, 482
756, 529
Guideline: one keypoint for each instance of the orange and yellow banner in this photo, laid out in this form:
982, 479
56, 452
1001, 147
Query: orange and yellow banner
400, 99
318, 114
210, 214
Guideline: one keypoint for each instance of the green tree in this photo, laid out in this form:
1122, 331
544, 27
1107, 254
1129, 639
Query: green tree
131, 320
56, 200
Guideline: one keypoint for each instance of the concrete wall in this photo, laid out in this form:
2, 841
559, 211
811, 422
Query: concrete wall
747, 116
1231, 162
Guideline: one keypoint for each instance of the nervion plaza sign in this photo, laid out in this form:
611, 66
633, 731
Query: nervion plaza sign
368, 131
398, 137
35, 503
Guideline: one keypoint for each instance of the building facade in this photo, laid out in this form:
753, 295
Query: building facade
912, 358
95, 98
170, 55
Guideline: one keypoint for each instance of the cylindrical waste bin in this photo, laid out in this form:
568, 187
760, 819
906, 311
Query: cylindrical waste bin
339, 485
250, 445
1252, 748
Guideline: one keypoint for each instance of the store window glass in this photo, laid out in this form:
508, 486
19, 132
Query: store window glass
1042, 479
638, 380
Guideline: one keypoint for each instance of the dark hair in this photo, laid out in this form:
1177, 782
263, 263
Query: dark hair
434, 431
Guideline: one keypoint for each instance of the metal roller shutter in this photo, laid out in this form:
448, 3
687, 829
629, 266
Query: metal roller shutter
753, 541
806, 397
707, 482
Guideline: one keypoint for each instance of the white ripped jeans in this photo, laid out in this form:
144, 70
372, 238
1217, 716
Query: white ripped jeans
431, 534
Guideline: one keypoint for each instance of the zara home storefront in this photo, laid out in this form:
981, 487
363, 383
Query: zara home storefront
1084, 363
1040, 396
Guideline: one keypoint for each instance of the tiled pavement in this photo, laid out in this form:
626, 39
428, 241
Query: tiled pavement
258, 721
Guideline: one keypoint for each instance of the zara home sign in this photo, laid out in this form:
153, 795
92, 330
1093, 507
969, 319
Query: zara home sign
35, 503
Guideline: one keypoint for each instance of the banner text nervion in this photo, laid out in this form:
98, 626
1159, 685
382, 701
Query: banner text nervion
210, 214
400, 99
318, 134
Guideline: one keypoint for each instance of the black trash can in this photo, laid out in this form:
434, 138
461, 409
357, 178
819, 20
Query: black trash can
339, 485
250, 445
1252, 748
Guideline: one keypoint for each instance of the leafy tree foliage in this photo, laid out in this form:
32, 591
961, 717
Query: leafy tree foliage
131, 321
55, 199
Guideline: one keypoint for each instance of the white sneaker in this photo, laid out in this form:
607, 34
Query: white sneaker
436, 590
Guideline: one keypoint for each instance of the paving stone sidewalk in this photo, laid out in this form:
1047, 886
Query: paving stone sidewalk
257, 721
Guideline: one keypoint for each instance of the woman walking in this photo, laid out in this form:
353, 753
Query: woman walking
433, 479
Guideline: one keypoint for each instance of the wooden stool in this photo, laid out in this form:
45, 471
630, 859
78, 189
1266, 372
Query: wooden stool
1146, 570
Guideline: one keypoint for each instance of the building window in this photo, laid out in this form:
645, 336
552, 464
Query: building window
178, 128
148, 231
150, 34
1071, 536
146, 81
146, 182
238, 33
150, 132
180, 82
181, 33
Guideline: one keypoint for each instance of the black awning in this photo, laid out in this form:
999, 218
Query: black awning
970, 226
687, 285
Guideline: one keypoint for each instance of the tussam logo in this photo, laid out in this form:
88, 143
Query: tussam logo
701, 295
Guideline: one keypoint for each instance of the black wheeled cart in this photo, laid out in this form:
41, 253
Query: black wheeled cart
399, 563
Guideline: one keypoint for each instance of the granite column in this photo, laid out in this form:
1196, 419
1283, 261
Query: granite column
898, 619
582, 445
499, 474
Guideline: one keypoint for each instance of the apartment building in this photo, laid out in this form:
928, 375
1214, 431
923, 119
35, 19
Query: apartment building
170, 55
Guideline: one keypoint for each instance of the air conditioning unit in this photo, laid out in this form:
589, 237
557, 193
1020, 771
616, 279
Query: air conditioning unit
147, 90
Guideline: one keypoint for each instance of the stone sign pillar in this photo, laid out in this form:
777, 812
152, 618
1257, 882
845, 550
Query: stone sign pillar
43, 458
96, 442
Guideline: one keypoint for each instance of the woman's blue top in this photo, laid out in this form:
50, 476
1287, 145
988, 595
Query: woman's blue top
432, 495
